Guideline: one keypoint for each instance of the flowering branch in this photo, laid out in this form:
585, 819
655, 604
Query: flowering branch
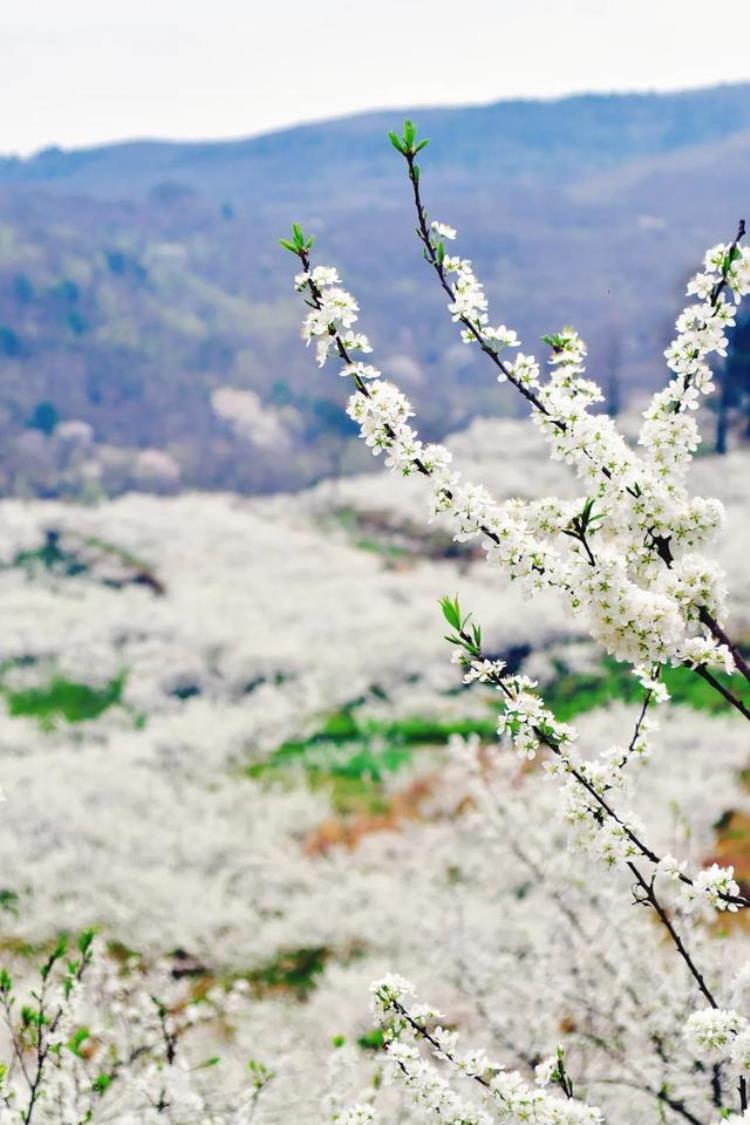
639, 616
529, 724
701, 332
384, 418
647, 897
632, 558
517, 1100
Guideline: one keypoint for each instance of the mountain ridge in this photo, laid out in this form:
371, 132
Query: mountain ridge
137, 293
715, 111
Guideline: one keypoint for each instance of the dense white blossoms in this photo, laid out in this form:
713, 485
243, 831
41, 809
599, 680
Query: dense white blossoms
713, 886
493, 1095
711, 1033
627, 561
193, 855
357, 1115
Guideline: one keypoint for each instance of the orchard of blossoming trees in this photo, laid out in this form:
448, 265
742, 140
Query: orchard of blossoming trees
633, 563
240, 821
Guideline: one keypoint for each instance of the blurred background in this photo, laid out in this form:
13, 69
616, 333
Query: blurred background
225, 699
153, 153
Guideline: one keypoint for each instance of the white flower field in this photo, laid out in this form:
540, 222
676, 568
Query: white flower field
171, 819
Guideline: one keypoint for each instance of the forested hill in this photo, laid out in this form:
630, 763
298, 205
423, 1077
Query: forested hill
141, 283
346, 160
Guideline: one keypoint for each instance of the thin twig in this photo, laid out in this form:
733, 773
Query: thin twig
650, 898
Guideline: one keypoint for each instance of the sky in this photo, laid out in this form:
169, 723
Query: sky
81, 72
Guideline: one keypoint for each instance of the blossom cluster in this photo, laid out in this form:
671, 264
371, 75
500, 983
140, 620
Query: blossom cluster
716, 1034
711, 888
523, 718
497, 1095
606, 558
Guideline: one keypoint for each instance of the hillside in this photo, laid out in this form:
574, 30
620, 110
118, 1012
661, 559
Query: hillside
251, 768
139, 281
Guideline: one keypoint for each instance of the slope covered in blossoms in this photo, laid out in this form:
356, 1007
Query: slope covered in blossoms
226, 730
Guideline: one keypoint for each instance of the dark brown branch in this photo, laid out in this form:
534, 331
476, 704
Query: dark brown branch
431, 254
718, 633
717, 685
649, 898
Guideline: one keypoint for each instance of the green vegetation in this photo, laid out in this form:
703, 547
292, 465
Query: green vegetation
63, 699
572, 693
293, 971
9, 900
372, 1040
45, 417
51, 556
351, 754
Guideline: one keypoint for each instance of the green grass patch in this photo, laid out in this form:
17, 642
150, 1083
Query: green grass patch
351, 755
573, 693
385, 550
64, 700
293, 971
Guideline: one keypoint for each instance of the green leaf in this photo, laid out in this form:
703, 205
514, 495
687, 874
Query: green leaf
422, 144
553, 340
338, 1040
372, 1040
85, 940
410, 133
58, 952
440, 253
260, 1072
213, 1061
101, 1083
77, 1039
451, 612
395, 141
288, 245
